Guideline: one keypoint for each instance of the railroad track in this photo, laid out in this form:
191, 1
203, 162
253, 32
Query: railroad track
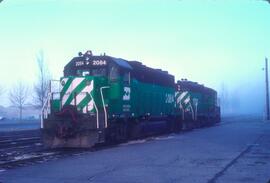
34, 157
31, 151
18, 145
19, 149
31, 156
19, 142
22, 148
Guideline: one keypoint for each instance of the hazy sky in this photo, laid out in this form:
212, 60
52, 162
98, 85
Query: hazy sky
208, 41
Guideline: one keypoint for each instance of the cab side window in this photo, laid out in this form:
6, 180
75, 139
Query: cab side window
126, 78
114, 73
99, 72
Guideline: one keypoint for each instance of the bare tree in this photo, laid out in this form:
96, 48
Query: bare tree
41, 87
18, 96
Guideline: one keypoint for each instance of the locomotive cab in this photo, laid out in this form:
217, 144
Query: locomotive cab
90, 92
108, 76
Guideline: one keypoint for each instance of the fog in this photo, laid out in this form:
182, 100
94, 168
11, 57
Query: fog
221, 44
247, 97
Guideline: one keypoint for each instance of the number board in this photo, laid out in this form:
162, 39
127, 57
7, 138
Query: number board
91, 63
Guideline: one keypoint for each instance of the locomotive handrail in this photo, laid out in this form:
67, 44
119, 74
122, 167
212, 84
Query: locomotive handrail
52, 98
45, 105
103, 103
95, 109
192, 112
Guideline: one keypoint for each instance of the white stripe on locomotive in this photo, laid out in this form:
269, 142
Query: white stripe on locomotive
80, 96
72, 86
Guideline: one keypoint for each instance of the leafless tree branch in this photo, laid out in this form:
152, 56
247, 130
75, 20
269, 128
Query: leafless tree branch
18, 96
41, 86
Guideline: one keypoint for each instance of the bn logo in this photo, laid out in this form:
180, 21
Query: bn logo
126, 95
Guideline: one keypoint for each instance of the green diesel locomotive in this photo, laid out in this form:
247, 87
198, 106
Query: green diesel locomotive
106, 99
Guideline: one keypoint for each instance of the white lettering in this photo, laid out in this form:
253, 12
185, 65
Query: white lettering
79, 63
99, 62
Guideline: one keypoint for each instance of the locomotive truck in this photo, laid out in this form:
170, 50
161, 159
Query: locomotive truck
106, 99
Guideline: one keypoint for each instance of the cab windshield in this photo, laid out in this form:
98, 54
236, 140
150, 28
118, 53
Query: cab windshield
92, 72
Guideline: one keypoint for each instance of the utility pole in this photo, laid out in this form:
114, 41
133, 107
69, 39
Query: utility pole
267, 89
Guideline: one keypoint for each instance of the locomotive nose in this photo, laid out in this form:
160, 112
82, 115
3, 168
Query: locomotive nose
78, 92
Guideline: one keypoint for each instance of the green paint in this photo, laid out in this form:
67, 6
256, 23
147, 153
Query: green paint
66, 85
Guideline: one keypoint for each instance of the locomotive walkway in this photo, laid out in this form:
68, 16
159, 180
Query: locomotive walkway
237, 150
